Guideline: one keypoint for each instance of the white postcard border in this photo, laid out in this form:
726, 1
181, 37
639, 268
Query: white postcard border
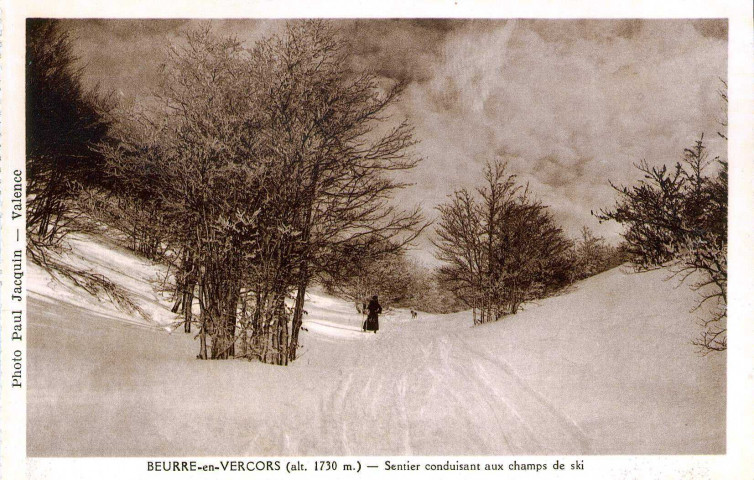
737, 463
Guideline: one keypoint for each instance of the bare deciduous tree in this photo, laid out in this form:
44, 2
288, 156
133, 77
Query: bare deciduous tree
501, 248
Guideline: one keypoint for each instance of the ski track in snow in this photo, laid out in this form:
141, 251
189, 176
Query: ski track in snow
387, 397
540, 406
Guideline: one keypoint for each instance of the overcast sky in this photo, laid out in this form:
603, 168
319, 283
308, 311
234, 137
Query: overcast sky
569, 103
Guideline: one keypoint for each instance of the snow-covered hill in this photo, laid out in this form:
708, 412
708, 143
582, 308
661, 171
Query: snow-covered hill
605, 368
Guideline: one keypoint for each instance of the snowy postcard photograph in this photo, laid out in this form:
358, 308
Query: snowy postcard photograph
298, 237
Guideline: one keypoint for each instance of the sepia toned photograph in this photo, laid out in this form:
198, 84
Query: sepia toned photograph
303, 237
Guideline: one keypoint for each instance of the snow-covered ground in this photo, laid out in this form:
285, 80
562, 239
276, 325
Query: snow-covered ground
606, 368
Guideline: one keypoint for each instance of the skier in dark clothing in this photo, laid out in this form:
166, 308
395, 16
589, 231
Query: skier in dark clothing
372, 323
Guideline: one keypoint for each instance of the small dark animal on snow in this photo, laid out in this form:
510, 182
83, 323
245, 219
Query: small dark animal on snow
413, 314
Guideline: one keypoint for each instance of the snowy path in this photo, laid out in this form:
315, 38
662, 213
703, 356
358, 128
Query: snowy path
605, 368
420, 390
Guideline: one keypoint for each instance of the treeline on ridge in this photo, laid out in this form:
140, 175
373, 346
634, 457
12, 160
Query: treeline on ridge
257, 172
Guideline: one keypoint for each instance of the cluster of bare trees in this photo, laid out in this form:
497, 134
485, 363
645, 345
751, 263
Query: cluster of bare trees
679, 217
501, 247
64, 121
391, 275
593, 255
256, 171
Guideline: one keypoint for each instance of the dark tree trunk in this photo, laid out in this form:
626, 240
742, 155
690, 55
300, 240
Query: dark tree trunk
203, 338
231, 312
188, 302
297, 316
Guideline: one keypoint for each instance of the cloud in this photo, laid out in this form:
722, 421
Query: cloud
568, 103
